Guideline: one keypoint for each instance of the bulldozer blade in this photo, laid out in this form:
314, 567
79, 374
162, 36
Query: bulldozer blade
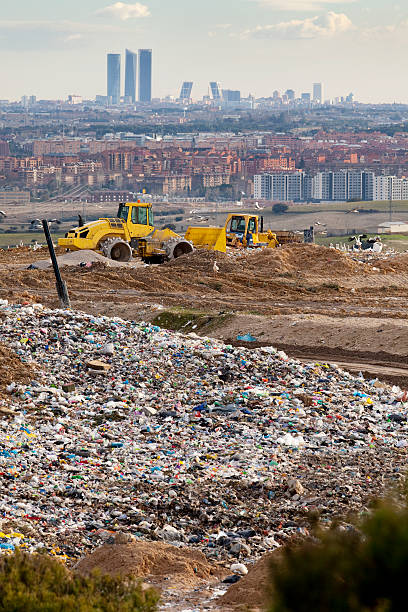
211, 238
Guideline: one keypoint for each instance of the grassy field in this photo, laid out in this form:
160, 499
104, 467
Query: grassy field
398, 242
379, 206
26, 238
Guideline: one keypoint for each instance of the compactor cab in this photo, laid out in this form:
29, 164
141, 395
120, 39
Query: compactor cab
138, 218
131, 232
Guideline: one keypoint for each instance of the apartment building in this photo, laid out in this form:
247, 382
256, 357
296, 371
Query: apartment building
279, 186
341, 186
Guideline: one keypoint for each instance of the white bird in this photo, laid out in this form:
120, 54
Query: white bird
257, 206
215, 268
2, 213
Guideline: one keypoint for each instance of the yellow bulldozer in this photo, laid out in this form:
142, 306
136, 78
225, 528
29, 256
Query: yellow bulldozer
132, 231
241, 231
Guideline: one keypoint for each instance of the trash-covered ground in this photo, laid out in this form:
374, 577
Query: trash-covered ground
129, 428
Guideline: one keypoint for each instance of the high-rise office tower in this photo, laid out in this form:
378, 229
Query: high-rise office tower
290, 94
215, 89
186, 89
145, 75
113, 78
130, 76
317, 93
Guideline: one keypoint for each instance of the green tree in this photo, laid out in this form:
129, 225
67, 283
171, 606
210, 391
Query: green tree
360, 569
279, 208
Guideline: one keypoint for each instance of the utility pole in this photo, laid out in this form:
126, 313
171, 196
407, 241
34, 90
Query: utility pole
61, 285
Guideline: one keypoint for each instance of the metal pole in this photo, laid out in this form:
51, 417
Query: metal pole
61, 286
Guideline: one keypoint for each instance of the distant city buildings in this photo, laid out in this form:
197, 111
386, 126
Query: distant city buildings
74, 99
113, 78
130, 76
138, 76
231, 98
215, 91
186, 89
145, 75
279, 186
317, 93
341, 186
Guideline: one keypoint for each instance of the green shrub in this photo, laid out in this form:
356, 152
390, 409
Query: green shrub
356, 570
38, 583
279, 208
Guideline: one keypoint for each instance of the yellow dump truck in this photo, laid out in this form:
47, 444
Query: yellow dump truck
242, 231
132, 231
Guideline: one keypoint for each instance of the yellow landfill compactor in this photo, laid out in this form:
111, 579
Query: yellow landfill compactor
131, 232
241, 231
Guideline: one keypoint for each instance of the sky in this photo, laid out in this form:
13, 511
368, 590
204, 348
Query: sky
53, 48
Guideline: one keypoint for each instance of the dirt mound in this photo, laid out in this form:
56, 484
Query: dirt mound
202, 260
307, 258
154, 561
251, 591
12, 369
397, 263
74, 258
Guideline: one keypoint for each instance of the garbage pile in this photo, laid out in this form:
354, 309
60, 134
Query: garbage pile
129, 428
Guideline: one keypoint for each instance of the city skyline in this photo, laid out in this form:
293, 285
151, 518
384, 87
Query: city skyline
130, 75
320, 40
113, 78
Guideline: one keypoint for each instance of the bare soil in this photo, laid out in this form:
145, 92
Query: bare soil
312, 301
181, 574
12, 369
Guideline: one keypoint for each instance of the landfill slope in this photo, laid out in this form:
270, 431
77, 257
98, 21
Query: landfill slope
126, 427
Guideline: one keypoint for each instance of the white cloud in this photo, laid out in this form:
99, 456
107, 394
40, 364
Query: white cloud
325, 26
218, 27
301, 5
124, 11
72, 37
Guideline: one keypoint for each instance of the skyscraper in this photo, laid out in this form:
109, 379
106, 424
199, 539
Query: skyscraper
186, 88
145, 75
130, 76
113, 78
317, 93
215, 89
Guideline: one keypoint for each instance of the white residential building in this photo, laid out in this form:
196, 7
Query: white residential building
279, 186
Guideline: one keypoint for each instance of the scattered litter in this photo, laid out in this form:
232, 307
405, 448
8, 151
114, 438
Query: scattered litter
246, 338
114, 426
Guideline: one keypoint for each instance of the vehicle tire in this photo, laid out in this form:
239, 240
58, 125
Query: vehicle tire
175, 247
116, 249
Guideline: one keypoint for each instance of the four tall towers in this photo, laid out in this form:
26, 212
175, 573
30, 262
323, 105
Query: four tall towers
138, 70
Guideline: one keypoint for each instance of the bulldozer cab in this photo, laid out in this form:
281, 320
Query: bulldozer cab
241, 224
241, 229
